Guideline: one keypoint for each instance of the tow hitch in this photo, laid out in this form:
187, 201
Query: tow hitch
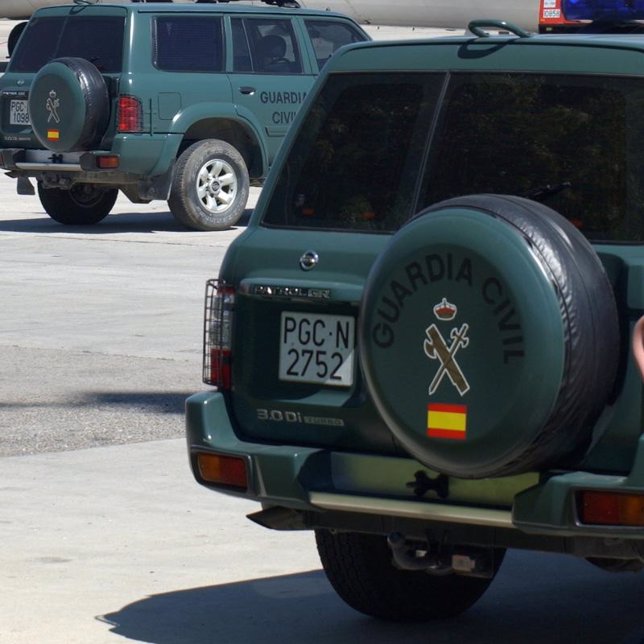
441, 560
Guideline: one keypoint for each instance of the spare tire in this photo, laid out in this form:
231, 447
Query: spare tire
69, 105
489, 337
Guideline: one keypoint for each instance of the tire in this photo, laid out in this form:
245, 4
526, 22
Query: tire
69, 105
210, 186
489, 337
360, 569
83, 205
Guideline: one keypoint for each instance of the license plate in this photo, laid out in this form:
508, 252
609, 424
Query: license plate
317, 349
18, 112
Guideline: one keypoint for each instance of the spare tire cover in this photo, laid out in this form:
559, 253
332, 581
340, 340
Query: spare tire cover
489, 336
69, 105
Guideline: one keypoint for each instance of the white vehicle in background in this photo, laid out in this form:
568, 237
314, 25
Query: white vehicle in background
404, 13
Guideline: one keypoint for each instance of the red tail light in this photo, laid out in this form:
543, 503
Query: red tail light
130, 115
217, 354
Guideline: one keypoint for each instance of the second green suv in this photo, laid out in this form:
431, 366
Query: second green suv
185, 103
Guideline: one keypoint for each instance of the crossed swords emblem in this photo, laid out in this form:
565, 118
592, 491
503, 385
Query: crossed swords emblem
436, 348
52, 104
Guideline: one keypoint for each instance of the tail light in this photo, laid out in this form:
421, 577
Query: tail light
221, 469
218, 324
610, 508
130, 114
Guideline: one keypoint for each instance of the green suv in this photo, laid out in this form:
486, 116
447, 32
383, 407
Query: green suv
184, 103
421, 343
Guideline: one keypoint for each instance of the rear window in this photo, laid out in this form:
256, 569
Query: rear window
98, 39
572, 143
354, 165
376, 149
189, 43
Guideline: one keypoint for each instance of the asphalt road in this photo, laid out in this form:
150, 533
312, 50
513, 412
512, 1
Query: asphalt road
100, 327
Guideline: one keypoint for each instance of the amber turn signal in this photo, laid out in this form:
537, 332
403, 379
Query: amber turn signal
107, 162
223, 470
610, 508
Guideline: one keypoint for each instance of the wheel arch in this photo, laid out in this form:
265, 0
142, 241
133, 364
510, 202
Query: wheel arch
242, 135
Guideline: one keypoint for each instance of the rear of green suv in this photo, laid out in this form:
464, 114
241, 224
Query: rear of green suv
185, 103
421, 343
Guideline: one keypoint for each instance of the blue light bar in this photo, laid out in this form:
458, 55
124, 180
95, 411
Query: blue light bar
603, 9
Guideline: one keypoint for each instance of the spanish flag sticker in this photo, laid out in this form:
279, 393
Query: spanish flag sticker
53, 135
446, 421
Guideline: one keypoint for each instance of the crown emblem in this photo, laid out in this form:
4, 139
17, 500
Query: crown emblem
445, 311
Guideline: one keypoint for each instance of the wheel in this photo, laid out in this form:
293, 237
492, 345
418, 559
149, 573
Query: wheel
360, 569
69, 105
83, 205
489, 337
210, 186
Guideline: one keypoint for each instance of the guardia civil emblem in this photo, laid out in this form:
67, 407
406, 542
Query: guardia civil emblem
436, 347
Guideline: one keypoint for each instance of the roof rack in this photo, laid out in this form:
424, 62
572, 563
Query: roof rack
287, 4
480, 28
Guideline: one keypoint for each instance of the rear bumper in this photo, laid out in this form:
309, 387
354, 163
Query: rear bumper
322, 481
145, 163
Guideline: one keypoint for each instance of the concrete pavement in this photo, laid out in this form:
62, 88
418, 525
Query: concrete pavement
117, 544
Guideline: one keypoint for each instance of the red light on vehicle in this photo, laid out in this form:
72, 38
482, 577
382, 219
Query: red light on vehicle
110, 162
220, 368
218, 323
223, 470
610, 508
130, 114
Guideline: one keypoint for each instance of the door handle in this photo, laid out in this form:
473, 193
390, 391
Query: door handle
247, 90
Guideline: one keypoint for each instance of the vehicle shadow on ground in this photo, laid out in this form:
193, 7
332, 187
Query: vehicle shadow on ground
535, 599
132, 222
143, 401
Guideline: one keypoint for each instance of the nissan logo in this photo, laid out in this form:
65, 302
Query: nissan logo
309, 260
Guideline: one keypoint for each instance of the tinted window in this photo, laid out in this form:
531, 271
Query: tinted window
189, 44
355, 163
327, 36
98, 39
265, 46
573, 144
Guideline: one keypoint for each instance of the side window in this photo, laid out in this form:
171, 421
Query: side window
270, 44
241, 50
189, 43
327, 36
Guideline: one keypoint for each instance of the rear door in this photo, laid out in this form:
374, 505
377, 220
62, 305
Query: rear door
270, 74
